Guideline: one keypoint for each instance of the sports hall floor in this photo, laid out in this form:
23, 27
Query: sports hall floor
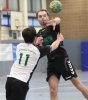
39, 89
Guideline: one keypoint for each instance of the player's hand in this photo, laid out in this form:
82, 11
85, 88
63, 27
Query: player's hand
51, 22
60, 37
39, 40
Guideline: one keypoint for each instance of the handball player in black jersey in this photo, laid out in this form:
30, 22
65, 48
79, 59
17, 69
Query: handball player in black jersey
58, 60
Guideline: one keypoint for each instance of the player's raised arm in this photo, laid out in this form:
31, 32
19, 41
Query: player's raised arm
56, 43
54, 22
58, 20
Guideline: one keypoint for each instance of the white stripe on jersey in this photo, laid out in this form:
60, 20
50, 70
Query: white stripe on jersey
27, 57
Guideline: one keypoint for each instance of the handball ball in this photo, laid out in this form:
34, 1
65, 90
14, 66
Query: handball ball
55, 6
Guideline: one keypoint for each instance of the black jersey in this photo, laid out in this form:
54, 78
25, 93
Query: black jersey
49, 36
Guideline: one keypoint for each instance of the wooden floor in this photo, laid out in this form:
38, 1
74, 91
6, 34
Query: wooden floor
39, 89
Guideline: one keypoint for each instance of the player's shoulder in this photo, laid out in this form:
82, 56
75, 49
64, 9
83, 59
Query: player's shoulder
40, 31
22, 45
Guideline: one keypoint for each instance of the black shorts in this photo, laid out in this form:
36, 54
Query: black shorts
59, 67
16, 89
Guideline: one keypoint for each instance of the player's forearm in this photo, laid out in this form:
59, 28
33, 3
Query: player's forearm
55, 44
58, 20
38, 41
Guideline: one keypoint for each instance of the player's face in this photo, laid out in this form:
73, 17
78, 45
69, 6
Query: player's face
43, 18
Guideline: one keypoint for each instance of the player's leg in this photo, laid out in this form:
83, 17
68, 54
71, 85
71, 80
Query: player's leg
8, 87
53, 81
53, 85
53, 77
69, 73
77, 83
19, 90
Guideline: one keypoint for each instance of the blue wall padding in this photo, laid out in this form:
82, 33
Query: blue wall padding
84, 55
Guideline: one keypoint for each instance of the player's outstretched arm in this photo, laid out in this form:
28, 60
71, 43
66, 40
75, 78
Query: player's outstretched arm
54, 22
56, 43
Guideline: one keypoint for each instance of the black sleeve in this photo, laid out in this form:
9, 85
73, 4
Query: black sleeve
44, 50
39, 33
57, 28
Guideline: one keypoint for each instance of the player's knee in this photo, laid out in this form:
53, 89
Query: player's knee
53, 91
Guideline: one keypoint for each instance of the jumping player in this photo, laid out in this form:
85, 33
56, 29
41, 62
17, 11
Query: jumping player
58, 60
28, 54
